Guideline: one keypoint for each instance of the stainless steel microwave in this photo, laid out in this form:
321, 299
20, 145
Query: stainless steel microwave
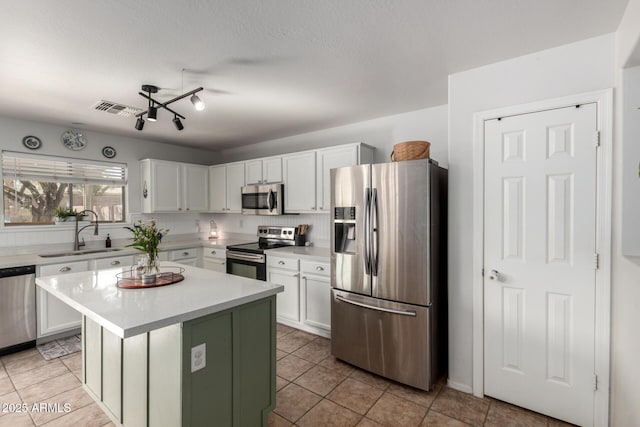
263, 199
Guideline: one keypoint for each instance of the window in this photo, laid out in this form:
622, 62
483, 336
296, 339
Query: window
34, 186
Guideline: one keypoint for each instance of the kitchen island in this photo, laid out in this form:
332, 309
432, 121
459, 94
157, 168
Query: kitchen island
199, 352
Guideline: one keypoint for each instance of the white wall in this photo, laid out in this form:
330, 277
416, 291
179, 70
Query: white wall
129, 151
625, 298
427, 124
579, 67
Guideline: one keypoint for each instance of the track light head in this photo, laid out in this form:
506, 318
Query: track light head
178, 123
153, 113
140, 123
197, 102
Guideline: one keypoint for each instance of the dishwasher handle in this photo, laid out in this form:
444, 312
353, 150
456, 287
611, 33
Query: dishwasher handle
17, 271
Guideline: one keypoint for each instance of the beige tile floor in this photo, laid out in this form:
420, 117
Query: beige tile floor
313, 389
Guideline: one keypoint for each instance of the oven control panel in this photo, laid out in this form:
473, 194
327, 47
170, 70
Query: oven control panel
276, 232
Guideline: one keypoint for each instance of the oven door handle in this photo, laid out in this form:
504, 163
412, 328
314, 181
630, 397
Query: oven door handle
246, 257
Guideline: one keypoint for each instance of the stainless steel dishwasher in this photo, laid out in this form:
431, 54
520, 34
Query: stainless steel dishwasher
17, 308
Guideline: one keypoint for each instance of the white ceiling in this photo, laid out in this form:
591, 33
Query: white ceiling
271, 68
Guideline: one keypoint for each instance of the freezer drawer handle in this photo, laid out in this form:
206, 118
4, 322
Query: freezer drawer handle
386, 310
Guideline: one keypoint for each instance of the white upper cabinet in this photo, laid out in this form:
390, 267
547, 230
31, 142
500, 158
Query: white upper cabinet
336, 157
307, 175
225, 184
263, 171
195, 187
173, 187
299, 182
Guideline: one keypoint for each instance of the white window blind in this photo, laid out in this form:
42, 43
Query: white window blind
60, 169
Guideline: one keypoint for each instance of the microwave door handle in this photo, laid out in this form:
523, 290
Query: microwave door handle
374, 234
274, 199
269, 200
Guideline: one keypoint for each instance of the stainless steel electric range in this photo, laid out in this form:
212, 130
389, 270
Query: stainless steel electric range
249, 259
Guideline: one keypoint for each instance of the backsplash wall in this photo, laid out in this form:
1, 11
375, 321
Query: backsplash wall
248, 224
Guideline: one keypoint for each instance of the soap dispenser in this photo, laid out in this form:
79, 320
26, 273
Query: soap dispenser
108, 242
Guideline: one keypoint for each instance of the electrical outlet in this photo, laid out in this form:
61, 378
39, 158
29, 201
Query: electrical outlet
198, 357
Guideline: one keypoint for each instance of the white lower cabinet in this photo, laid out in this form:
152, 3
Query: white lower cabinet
306, 300
288, 301
214, 260
316, 288
187, 256
54, 316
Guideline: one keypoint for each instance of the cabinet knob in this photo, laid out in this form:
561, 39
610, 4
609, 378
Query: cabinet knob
296, 275
185, 253
281, 262
321, 208
115, 262
313, 208
187, 208
65, 269
179, 209
318, 268
213, 252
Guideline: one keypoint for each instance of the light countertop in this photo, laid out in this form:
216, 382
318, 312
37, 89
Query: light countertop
311, 253
30, 256
129, 312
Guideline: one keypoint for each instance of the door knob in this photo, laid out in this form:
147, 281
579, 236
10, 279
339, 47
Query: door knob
494, 275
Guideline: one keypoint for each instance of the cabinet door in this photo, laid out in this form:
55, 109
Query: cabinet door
300, 182
54, 316
328, 159
288, 305
317, 301
113, 262
253, 172
165, 186
218, 188
215, 264
235, 182
272, 170
195, 188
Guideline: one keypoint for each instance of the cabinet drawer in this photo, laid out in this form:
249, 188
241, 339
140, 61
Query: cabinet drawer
113, 262
183, 254
67, 267
317, 268
282, 262
214, 253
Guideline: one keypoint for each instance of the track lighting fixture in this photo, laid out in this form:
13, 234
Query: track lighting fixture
152, 111
197, 102
178, 123
140, 123
153, 114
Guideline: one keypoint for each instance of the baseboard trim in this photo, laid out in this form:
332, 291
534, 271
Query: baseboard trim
465, 388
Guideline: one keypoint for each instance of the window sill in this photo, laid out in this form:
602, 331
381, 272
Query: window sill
61, 226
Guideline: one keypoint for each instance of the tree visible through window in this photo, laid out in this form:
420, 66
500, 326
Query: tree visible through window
34, 186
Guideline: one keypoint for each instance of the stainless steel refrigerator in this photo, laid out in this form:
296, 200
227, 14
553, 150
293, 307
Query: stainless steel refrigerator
389, 270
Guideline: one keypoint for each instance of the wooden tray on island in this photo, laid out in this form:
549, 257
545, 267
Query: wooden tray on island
131, 280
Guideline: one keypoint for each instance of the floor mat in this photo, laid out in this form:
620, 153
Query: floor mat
58, 348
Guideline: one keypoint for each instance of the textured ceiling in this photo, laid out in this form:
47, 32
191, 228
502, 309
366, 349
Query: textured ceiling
270, 68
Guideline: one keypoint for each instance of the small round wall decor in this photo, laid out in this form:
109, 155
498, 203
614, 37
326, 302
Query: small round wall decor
109, 152
31, 142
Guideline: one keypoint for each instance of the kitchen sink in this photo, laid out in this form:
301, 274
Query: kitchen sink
72, 253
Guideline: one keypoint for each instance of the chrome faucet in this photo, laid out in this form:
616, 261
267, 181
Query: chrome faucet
76, 242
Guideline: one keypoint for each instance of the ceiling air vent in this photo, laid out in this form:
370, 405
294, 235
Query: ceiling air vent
117, 109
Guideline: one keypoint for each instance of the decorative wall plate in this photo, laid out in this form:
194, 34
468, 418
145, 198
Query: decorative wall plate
109, 152
31, 142
74, 140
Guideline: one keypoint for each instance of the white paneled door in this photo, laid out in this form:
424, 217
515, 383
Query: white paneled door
540, 261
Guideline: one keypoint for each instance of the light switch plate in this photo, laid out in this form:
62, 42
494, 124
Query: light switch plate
198, 357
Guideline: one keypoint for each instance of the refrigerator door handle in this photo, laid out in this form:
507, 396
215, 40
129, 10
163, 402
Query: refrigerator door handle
374, 234
366, 232
372, 307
